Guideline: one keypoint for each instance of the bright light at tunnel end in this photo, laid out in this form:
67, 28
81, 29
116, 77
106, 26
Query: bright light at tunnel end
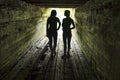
60, 15
60, 12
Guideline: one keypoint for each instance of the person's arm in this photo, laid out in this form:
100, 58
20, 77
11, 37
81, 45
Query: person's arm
59, 24
63, 23
73, 25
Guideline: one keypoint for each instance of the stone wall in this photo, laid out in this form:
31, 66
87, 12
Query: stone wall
18, 22
99, 32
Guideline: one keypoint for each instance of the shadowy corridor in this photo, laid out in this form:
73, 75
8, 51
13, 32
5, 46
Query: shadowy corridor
95, 45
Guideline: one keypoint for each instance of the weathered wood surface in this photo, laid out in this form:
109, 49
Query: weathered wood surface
41, 66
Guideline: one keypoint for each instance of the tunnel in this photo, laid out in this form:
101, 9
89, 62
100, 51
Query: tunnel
95, 44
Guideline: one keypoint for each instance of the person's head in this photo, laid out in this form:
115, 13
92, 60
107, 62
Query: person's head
67, 13
53, 13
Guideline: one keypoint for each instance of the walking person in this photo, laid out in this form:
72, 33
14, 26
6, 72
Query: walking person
51, 29
66, 26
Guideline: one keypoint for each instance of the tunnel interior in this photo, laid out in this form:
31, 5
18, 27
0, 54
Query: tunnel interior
22, 27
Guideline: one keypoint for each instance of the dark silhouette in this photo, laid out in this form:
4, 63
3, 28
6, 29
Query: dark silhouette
67, 32
52, 30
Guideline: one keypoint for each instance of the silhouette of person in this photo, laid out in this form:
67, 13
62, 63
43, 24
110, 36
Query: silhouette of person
66, 26
51, 29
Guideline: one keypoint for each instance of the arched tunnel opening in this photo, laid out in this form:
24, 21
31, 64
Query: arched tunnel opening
95, 44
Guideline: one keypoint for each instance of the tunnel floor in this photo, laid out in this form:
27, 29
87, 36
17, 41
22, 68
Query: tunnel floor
38, 64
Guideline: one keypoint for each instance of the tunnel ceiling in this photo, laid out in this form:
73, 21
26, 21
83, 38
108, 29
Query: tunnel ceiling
57, 3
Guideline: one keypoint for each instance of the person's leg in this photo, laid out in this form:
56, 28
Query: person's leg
50, 43
69, 41
55, 41
64, 42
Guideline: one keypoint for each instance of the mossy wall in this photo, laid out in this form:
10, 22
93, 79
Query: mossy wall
18, 22
98, 26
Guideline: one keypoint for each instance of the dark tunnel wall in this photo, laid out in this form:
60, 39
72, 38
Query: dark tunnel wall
17, 28
98, 24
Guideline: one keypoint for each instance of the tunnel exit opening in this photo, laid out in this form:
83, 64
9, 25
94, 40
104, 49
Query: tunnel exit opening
41, 26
